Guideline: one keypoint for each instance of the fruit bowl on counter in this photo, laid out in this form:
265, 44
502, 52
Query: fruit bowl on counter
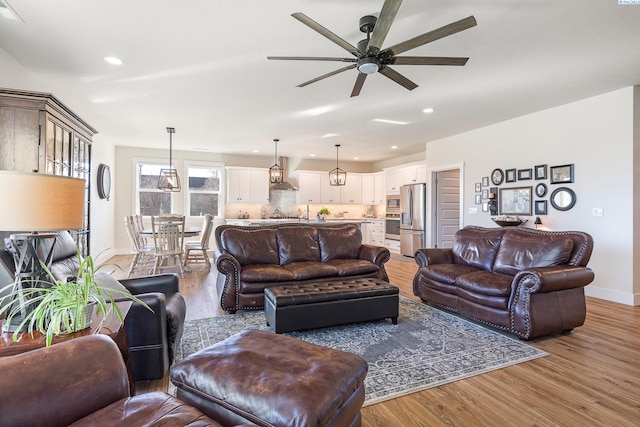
508, 221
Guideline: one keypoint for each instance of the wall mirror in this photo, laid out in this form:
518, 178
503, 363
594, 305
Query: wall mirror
563, 198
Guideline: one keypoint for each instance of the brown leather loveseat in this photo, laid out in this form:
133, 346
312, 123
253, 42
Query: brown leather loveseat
249, 259
524, 281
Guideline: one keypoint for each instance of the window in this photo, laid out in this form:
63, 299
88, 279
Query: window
204, 190
150, 199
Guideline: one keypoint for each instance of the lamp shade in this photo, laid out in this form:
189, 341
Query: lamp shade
40, 202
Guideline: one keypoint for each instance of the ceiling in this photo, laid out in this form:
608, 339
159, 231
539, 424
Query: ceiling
200, 66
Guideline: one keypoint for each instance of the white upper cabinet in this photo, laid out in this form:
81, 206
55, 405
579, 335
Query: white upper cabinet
310, 185
414, 174
247, 185
393, 179
352, 191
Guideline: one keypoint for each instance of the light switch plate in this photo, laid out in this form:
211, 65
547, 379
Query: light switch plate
473, 211
598, 212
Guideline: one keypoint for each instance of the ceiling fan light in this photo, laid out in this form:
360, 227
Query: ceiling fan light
368, 68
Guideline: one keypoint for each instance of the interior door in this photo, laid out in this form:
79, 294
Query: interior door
447, 207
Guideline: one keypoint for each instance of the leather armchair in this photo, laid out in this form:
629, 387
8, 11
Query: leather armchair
154, 336
83, 382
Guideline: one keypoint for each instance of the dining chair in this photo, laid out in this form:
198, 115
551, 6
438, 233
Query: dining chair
168, 240
143, 258
197, 252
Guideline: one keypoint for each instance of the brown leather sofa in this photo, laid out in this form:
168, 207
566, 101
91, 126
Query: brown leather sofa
83, 382
524, 281
249, 259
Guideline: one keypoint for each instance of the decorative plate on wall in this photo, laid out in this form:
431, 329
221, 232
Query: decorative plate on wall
104, 181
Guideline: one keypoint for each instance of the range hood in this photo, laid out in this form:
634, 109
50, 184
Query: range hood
284, 185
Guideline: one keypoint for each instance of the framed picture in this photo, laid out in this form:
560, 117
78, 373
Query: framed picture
541, 190
485, 194
515, 201
485, 207
478, 199
510, 175
541, 207
485, 181
561, 174
524, 174
478, 188
540, 171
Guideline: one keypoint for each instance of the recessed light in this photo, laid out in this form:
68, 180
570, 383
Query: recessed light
391, 122
428, 110
312, 155
329, 135
200, 149
255, 150
394, 147
356, 158
113, 60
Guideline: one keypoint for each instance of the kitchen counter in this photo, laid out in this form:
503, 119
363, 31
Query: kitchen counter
257, 221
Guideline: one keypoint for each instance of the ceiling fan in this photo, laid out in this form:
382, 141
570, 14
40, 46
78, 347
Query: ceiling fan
369, 58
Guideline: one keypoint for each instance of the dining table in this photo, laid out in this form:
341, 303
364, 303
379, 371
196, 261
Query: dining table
188, 232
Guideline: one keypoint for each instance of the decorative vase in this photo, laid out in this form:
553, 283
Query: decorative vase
319, 218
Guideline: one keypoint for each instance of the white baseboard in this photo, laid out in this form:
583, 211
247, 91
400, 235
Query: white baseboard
613, 296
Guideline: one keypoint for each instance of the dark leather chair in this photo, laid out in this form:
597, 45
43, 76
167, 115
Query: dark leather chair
83, 382
154, 336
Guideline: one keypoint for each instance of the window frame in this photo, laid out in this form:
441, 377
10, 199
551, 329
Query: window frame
221, 192
161, 163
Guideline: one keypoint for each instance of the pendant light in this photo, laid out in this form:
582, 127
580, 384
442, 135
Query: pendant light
275, 171
169, 179
337, 176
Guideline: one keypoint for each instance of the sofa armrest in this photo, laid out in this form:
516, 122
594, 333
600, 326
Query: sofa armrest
430, 256
228, 282
376, 254
164, 283
91, 375
556, 278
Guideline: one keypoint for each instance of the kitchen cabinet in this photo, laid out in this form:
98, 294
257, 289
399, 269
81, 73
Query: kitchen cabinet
414, 174
373, 189
392, 245
351, 193
247, 185
310, 185
38, 133
330, 193
365, 229
377, 232
393, 179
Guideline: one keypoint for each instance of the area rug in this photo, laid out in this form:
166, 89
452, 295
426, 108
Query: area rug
428, 347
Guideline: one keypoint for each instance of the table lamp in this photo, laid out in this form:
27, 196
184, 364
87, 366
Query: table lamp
38, 205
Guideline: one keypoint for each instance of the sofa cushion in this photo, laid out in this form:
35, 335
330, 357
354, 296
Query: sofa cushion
305, 270
342, 242
251, 246
352, 267
265, 273
520, 251
486, 283
297, 244
447, 273
476, 248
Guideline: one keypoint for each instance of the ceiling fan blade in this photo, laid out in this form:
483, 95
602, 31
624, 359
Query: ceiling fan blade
324, 76
398, 78
428, 60
431, 36
358, 86
310, 58
387, 15
325, 32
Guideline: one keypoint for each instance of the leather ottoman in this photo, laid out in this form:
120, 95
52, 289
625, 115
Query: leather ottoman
273, 380
295, 307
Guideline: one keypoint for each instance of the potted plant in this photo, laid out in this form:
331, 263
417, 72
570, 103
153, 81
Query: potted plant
55, 307
322, 213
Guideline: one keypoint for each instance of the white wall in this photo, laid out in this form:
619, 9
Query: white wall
596, 135
102, 211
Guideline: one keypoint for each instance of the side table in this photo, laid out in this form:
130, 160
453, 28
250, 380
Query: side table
112, 327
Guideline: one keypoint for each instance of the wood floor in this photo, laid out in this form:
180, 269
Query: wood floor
590, 378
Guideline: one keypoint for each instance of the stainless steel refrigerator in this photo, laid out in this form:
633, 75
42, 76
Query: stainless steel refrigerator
412, 218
